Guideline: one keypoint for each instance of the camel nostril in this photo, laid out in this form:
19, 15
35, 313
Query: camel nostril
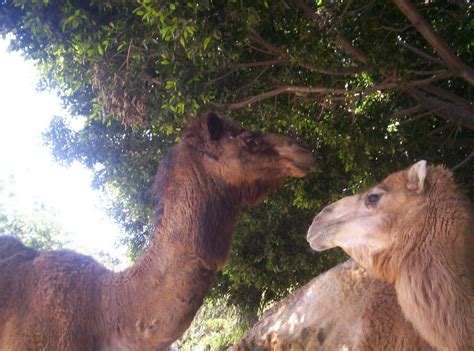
328, 209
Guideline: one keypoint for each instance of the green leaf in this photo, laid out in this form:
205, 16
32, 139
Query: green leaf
207, 40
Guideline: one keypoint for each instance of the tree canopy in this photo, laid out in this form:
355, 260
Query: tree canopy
369, 86
37, 228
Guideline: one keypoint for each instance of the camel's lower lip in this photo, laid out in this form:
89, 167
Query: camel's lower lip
306, 165
305, 168
317, 242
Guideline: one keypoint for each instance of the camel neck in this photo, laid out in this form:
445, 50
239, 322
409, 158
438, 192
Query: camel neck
433, 287
161, 293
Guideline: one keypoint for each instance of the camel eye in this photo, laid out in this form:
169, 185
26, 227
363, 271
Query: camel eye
372, 199
251, 142
232, 134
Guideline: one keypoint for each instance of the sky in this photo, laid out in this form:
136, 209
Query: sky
29, 172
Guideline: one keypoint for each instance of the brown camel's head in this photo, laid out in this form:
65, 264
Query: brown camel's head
388, 215
241, 158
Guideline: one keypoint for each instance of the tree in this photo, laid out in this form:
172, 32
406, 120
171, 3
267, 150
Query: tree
216, 326
37, 229
368, 98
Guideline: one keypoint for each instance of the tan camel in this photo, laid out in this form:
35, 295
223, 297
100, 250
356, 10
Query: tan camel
342, 309
61, 300
414, 230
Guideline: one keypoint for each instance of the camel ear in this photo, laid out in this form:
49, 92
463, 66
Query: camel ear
416, 177
215, 126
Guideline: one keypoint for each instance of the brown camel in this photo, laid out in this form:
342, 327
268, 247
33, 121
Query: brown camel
414, 230
342, 309
61, 300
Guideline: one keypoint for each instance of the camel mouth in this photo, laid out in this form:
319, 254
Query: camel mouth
300, 159
304, 169
319, 235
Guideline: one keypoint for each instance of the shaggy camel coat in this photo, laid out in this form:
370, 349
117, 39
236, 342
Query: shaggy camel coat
342, 309
414, 230
422, 227
61, 300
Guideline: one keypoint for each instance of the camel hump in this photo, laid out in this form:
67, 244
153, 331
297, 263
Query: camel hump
9, 246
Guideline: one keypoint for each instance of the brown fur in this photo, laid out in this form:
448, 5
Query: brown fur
61, 300
341, 309
417, 234
431, 261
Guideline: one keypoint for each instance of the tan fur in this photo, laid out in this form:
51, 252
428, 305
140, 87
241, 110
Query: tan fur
418, 236
61, 300
341, 309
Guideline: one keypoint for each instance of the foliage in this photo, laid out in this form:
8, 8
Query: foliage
33, 230
118, 156
137, 70
37, 228
216, 326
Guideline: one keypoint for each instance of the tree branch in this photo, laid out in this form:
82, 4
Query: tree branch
346, 45
407, 112
343, 71
261, 63
256, 98
351, 49
151, 79
424, 73
246, 86
284, 57
466, 160
324, 90
446, 95
438, 44
339, 39
225, 75
460, 142
446, 110
424, 114
281, 89
441, 128
253, 47
392, 29
421, 53
257, 39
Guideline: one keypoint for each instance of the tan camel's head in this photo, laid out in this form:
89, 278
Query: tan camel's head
241, 157
371, 222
